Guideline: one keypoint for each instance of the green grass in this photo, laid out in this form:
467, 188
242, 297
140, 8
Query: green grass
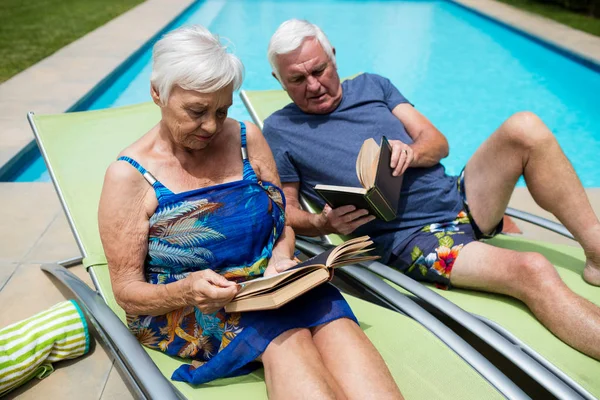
31, 30
578, 21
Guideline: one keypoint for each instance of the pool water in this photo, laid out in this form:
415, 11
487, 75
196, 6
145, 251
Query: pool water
464, 72
33, 171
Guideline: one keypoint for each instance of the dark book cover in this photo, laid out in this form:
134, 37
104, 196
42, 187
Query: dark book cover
319, 259
338, 198
381, 200
388, 184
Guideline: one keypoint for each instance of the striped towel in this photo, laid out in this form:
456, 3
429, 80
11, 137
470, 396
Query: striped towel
28, 348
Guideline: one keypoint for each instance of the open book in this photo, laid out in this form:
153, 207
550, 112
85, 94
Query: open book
274, 291
380, 191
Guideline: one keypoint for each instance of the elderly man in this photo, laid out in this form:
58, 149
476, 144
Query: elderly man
316, 139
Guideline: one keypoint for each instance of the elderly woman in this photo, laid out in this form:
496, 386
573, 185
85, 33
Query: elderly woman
193, 207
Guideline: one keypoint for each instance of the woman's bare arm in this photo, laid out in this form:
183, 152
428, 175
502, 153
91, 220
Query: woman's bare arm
261, 158
126, 204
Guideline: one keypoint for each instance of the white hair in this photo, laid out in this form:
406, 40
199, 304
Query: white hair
194, 59
290, 35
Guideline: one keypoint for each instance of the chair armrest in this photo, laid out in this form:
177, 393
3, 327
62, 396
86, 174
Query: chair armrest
148, 381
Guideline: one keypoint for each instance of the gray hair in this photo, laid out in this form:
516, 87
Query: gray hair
194, 59
290, 35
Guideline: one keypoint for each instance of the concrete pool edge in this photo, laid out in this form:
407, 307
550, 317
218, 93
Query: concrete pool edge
70, 91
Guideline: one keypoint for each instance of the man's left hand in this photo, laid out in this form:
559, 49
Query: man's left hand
402, 157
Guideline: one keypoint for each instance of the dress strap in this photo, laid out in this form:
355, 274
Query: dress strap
160, 189
147, 175
249, 174
243, 135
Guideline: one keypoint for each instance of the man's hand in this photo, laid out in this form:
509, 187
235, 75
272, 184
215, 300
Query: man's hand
402, 157
343, 220
210, 291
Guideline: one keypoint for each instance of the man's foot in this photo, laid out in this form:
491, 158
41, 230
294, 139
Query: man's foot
591, 273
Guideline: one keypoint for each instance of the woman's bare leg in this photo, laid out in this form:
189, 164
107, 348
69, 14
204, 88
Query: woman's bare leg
294, 369
354, 362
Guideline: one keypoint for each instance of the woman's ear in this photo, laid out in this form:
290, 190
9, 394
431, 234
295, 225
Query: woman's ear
155, 96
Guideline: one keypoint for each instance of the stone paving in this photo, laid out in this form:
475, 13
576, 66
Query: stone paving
35, 230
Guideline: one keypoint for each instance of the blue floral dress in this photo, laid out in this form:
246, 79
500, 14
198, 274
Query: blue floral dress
230, 228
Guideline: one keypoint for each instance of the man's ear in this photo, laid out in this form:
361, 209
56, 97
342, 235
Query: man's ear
277, 79
155, 96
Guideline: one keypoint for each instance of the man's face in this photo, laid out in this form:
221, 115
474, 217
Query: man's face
310, 78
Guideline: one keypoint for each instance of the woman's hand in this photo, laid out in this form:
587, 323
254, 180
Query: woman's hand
277, 265
210, 291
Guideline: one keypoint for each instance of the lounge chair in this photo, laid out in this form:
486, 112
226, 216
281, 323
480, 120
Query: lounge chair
426, 358
503, 323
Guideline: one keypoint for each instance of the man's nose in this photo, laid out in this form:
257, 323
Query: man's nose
313, 84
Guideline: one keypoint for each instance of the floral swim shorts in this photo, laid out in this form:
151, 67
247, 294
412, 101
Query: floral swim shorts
429, 254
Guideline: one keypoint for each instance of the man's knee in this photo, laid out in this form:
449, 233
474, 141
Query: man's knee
532, 275
526, 130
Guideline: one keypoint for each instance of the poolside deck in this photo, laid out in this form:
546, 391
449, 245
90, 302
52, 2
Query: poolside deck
35, 229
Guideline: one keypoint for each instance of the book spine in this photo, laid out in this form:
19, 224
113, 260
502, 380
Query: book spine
380, 204
391, 210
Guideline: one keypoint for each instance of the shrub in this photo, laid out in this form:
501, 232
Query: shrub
589, 7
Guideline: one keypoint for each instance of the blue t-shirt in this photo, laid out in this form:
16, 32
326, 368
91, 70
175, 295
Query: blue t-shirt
322, 149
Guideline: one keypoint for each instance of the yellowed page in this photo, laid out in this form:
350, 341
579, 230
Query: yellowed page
366, 163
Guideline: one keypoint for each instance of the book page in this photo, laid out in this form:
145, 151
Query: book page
276, 290
266, 282
349, 249
260, 289
280, 295
366, 163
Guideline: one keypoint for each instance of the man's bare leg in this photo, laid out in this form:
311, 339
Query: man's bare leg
523, 145
532, 279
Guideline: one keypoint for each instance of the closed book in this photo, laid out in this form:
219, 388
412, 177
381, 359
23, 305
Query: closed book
380, 191
274, 291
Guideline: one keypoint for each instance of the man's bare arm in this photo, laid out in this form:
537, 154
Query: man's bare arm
303, 223
343, 220
429, 144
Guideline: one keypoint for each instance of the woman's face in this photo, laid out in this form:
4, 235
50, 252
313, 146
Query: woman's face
194, 119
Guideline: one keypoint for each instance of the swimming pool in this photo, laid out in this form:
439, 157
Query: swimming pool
464, 72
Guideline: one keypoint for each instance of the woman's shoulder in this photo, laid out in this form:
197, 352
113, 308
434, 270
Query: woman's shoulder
123, 174
233, 132
252, 131
125, 169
